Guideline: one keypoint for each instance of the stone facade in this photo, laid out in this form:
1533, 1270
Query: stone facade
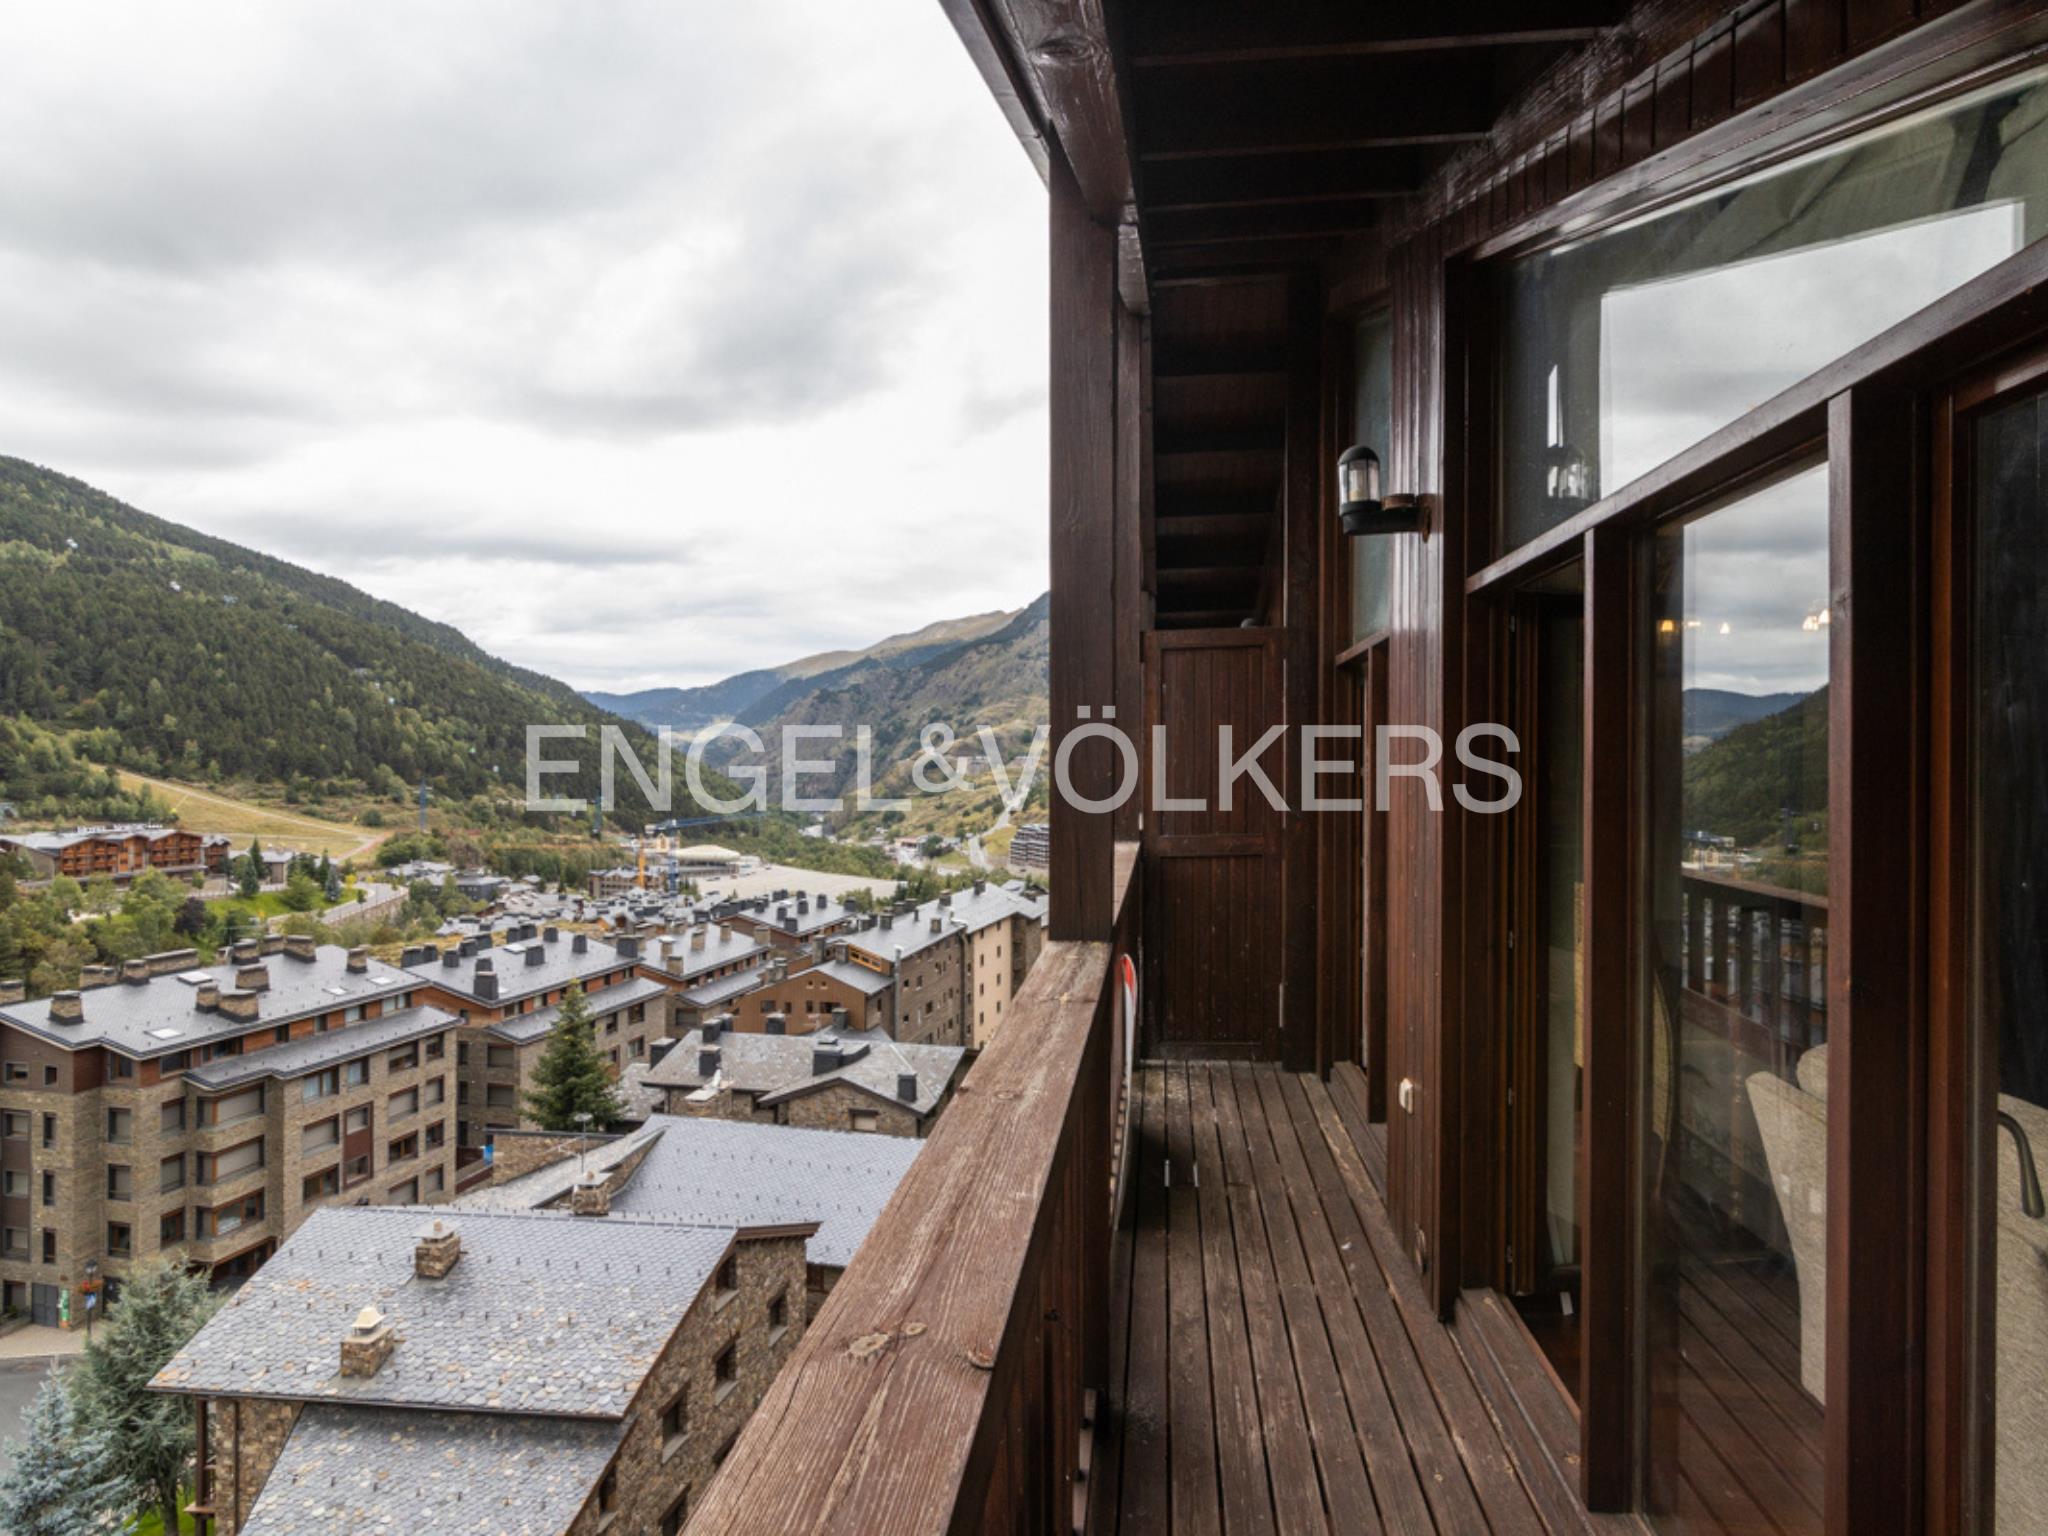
120, 1161
690, 1408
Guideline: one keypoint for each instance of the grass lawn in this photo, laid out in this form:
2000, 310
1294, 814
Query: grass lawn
205, 810
152, 1523
265, 905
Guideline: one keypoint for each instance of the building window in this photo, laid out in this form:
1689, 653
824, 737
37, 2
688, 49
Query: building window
864, 1119
318, 1186
49, 1245
120, 1067
729, 1275
170, 1173
219, 1167
14, 1244
407, 1193
281, 1034
120, 1125
725, 1372
120, 1182
718, 1456
437, 1133
498, 1058
14, 1125
170, 1228
356, 1169
356, 1073
679, 1513
433, 1181
49, 1077
49, 1188
14, 1184
235, 1106
402, 1104
402, 1060
608, 1493
675, 1421
500, 1096
437, 1047
224, 1219
320, 1135
173, 1064
170, 1116
403, 1150
357, 1119
436, 1091
778, 1316
120, 1240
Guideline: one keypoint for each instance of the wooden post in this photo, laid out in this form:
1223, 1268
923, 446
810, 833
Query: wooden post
1607, 1151
1302, 543
1876, 1044
1083, 554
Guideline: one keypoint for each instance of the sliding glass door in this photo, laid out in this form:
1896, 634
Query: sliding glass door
1732, 1025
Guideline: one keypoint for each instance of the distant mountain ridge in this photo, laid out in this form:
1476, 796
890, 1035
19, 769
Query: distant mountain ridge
1714, 712
764, 693
186, 656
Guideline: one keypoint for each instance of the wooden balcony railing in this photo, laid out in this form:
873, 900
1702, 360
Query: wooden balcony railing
943, 1386
1756, 965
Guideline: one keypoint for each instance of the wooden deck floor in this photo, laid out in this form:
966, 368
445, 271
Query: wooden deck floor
1277, 1368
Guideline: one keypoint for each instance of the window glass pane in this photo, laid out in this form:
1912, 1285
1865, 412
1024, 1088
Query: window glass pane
2009, 922
1372, 425
1630, 346
1733, 1028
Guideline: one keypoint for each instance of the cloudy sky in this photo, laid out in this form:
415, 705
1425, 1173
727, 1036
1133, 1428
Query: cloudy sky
646, 341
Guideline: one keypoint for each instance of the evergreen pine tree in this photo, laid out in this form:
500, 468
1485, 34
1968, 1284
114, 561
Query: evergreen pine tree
149, 1433
62, 1481
572, 1077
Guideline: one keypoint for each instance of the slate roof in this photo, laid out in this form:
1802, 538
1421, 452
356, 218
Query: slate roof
545, 1312
744, 1173
543, 1186
298, 1057
517, 979
123, 1014
859, 977
719, 949
778, 1067
969, 909
608, 1000
725, 988
438, 1474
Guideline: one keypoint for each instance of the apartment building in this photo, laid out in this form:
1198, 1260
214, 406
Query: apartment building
832, 1081
508, 997
803, 992
1031, 847
793, 918
956, 961
200, 1112
120, 852
702, 965
551, 1373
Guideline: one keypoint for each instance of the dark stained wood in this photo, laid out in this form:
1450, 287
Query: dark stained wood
1131, 593
1304, 532
1191, 1404
1265, 180
1058, 53
1082, 553
1875, 776
1607, 1146
1165, 34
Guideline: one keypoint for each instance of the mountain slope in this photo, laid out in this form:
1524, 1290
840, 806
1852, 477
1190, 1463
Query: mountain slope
1711, 713
762, 694
186, 656
997, 680
1743, 785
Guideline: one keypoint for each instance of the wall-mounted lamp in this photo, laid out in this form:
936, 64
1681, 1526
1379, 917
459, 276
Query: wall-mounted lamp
1568, 478
1361, 510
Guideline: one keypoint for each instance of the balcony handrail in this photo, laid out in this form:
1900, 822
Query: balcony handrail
940, 1387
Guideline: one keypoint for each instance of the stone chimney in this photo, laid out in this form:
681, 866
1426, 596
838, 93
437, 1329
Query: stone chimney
590, 1197
135, 973
778, 1024
367, 1345
451, 959
579, 944
485, 981
724, 931
715, 1026
273, 944
253, 978
246, 951
550, 934
906, 1087
206, 997
839, 1017
301, 946
657, 1050
12, 990
535, 954
628, 947
66, 1008
980, 884
92, 976
238, 1003
439, 1246
697, 938
359, 958
825, 1058
707, 1062
166, 961
888, 921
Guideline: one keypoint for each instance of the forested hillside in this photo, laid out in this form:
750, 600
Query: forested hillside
196, 659
1741, 785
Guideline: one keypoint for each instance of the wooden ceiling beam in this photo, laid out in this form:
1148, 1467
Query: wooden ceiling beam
1169, 34
1172, 186
1212, 528
1290, 221
1051, 69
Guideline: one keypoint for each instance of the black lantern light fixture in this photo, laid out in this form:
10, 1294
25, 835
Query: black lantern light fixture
1361, 509
1568, 478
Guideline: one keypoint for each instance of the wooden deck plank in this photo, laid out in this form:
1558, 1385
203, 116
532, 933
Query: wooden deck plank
1283, 1412
1191, 1424
1347, 1488
1348, 1091
1240, 1442
1406, 1447
1145, 1495
1472, 1429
